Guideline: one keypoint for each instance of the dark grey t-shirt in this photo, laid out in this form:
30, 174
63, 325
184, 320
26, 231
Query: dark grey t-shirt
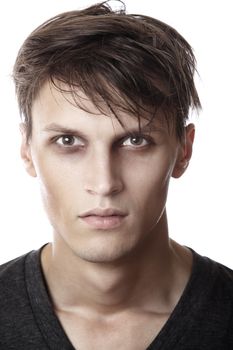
202, 319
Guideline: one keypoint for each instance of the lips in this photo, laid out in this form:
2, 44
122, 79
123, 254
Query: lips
108, 218
103, 212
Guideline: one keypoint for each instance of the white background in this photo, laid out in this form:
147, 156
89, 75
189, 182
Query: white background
200, 203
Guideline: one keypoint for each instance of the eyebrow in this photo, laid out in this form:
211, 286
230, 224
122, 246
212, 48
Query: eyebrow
54, 127
60, 128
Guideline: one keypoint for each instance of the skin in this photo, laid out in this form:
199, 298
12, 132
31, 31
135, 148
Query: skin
85, 161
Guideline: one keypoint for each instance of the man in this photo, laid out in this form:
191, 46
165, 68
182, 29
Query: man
105, 98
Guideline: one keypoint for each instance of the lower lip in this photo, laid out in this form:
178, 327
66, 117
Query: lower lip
103, 222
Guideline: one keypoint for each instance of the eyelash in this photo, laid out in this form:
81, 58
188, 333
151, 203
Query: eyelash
67, 136
149, 141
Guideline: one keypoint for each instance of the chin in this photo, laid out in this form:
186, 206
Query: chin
103, 254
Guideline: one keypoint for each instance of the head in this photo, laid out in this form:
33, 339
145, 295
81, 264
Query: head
116, 73
121, 62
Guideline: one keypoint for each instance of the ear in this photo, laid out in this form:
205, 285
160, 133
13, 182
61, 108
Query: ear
25, 151
185, 152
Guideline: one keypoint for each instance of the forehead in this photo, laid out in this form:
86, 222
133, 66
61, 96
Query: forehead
59, 106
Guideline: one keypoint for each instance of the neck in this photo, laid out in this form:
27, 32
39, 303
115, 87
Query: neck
142, 280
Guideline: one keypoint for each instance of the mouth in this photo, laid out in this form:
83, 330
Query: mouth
103, 219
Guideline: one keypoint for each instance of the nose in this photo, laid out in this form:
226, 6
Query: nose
103, 175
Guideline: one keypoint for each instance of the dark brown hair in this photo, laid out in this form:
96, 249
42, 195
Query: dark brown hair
134, 63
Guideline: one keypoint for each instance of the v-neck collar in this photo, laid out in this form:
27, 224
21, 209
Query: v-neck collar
177, 325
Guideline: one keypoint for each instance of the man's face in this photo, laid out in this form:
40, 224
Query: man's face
104, 187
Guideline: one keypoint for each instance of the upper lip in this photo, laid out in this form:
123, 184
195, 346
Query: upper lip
103, 212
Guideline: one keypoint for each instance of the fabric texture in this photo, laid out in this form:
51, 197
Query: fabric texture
202, 319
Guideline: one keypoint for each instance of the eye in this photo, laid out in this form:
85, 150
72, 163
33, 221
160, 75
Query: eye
136, 141
69, 141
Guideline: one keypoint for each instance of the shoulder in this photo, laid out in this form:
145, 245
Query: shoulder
223, 288
17, 320
12, 280
211, 291
215, 289
220, 274
214, 277
218, 308
14, 262
14, 301
12, 269
225, 274
13, 293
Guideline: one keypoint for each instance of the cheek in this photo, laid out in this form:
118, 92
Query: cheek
58, 185
148, 183
150, 173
